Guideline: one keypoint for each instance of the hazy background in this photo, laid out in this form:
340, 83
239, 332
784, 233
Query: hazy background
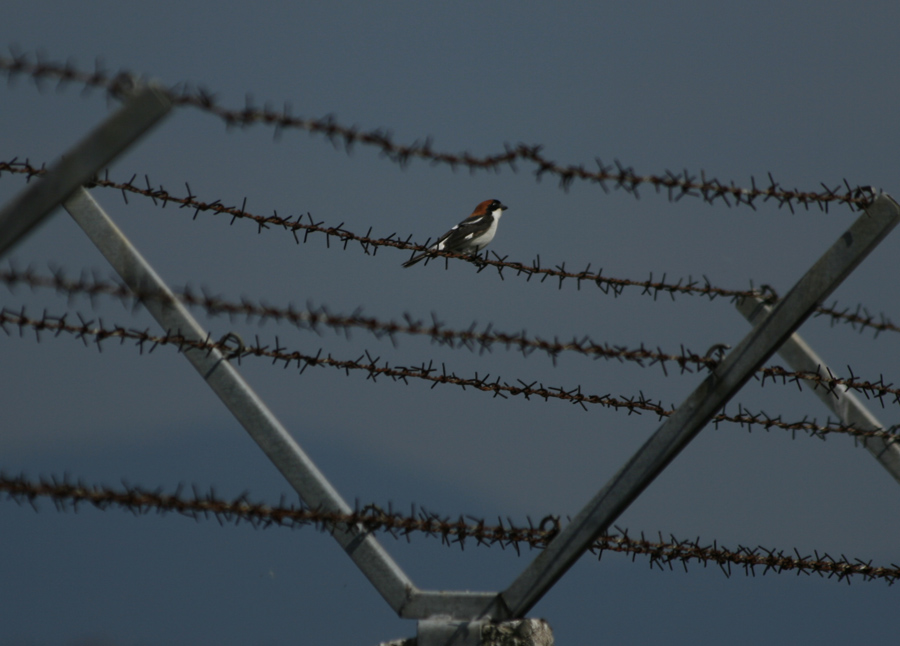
806, 91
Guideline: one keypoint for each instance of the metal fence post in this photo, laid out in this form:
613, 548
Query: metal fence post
262, 425
684, 424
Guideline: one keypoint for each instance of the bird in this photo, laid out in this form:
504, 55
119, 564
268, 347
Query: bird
469, 236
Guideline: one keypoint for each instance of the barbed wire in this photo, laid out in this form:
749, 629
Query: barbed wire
858, 317
86, 329
312, 319
617, 176
68, 495
660, 553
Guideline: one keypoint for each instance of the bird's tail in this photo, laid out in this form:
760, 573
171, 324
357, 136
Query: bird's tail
414, 260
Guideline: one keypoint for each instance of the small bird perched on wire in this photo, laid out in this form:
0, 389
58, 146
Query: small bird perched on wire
469, 236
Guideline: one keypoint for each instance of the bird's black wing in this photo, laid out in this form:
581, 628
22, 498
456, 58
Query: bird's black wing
458, 236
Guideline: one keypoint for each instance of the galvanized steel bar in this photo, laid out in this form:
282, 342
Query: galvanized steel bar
262, 425
141, 111
684, 424
842, 402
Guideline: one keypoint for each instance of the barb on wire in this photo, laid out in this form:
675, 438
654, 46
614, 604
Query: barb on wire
860, 317
616, 176
66, 494
89, 332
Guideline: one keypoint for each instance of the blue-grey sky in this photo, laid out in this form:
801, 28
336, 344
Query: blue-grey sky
806, 91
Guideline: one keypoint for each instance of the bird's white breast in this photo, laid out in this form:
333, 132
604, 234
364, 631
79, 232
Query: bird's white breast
492, 231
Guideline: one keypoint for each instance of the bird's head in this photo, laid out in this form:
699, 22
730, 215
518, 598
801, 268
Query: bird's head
494, 207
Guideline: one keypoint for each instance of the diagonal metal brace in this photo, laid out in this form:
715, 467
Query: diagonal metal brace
715, 391
843, 403
262, 425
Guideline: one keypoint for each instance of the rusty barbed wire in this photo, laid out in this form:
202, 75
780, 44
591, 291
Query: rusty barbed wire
858, 317
676, 185
617, 176
86, 329
471, 338
66, 494
314, 318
